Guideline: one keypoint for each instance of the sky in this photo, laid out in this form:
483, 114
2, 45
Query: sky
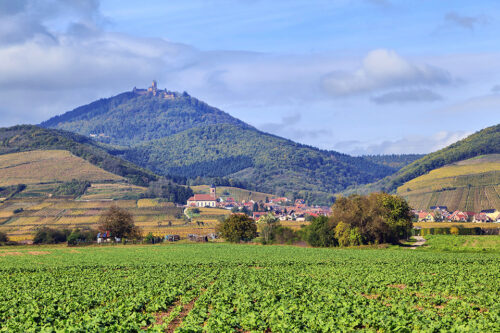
355, 76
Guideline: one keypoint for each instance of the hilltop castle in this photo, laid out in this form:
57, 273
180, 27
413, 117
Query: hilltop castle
153, 90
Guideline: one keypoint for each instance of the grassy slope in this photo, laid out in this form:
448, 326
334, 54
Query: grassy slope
470, 185
42, 166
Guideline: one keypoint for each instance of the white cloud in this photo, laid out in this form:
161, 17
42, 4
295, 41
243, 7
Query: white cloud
382, 69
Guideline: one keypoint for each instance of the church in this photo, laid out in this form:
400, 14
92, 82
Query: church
203, 200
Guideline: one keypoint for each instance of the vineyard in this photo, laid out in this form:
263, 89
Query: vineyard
470, 185
245, 288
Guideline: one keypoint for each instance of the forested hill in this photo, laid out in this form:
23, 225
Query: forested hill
264, 161
175, 134
27, 138
486, 141
131, 118
395, 161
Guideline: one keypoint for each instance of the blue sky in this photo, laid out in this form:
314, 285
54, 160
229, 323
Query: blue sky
361, 77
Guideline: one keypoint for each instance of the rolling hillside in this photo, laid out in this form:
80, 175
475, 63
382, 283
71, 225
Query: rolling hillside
49, 166
25, 138
486, 141
470, 185
175, 134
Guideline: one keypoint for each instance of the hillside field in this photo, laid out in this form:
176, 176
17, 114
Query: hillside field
470, 185
48, 166
247, 288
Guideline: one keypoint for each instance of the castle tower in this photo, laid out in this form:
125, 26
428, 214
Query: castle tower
212, 191
154, 85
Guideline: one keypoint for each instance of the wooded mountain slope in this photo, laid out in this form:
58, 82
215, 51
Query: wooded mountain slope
271, 163
185, 137
130, 118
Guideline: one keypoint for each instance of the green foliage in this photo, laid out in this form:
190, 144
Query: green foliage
119, 222
395, 161
50, 236
73, 188
26, 138
320, 233
3, 237
237, 227
168, 190
79, 236
356, 220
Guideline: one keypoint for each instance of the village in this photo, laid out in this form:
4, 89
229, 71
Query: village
441, 214
281, 207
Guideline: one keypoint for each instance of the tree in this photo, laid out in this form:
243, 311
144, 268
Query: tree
237, 227
255, 207
266, 226
321, 232
119, 222
3, 237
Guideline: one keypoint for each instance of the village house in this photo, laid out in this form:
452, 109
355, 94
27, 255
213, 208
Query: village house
481, 218
493, 214
426, 217
458, 216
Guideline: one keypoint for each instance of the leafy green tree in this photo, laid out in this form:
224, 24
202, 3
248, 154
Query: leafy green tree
119, 222
237, 227
3, 237
267, 224
321, 232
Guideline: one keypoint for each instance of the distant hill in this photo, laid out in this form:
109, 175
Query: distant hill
395, 161
175, 134
26, 138
131, 118
469, 185
486, 141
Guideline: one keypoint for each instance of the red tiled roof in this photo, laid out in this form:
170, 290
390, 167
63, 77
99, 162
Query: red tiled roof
202, 197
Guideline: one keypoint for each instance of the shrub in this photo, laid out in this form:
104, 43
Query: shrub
237, 228
285, 235
320, 233
3, 237
50, 236
78, 236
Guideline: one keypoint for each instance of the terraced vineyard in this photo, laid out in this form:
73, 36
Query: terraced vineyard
42, 166
470, 185
244, 288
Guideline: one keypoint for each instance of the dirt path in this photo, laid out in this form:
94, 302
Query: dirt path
420, 241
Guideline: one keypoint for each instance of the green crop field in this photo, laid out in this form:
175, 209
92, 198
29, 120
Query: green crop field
247, 288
